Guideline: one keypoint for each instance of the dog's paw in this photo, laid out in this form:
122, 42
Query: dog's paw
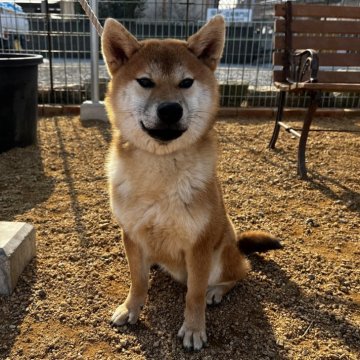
192, 339
123, 314
214, 295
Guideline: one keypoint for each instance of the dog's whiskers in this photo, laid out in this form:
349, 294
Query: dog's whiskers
125, 111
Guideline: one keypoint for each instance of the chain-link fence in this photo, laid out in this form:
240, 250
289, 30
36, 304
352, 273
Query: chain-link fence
60, 32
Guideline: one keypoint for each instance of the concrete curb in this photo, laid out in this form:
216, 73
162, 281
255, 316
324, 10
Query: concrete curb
93, 111
17, 248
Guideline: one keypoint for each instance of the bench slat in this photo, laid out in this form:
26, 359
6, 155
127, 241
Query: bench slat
326, 59
316, 42
346, 77
347, 12
319, 26
319, 86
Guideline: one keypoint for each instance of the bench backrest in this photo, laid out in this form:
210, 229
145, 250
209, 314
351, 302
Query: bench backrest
334, 31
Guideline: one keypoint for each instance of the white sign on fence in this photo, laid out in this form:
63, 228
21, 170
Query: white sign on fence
231, 15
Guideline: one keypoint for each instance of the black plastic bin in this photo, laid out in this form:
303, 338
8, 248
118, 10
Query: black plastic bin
18, 99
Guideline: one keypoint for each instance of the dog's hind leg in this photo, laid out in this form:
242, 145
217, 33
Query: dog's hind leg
129, 311
215, 293
232, 266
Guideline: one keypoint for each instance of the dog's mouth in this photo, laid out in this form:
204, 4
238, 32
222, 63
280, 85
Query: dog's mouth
163, 134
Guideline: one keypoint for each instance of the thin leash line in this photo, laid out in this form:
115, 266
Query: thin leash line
94, 20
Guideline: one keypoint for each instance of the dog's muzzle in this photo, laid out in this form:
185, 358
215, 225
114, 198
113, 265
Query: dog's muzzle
167, 128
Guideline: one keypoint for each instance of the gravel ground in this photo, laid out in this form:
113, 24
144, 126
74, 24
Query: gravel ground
298, 303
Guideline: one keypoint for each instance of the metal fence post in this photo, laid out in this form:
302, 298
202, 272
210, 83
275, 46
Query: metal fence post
48, 29
94, 109
94, 49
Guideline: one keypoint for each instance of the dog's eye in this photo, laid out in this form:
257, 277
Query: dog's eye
146, 83
186, 83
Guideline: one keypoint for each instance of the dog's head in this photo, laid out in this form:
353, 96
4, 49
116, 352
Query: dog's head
163, 94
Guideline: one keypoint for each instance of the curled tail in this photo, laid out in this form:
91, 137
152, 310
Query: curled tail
257, 241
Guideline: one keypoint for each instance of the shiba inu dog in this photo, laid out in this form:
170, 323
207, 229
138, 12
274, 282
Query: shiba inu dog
162, 101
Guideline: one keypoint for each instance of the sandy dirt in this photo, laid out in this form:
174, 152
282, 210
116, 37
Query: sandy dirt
302, 302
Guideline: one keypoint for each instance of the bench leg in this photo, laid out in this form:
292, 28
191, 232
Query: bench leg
302, 172
279, 115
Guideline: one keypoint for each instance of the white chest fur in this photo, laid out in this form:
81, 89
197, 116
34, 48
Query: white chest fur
159, 198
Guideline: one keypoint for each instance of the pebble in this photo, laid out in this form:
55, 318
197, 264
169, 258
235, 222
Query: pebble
42, 294
311, 222
123, 342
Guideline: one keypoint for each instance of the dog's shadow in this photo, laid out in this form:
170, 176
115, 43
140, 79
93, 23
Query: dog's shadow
236, 327
243, 325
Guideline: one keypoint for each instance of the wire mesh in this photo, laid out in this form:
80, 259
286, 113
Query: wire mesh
60, 31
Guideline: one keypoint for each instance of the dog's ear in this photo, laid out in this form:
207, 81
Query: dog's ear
208, 43
117, 44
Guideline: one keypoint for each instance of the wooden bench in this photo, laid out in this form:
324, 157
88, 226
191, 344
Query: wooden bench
316, 49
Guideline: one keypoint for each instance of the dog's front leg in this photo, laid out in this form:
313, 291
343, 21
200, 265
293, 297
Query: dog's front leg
193, 331
129, 311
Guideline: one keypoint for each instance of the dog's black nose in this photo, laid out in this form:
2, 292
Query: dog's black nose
169, 112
